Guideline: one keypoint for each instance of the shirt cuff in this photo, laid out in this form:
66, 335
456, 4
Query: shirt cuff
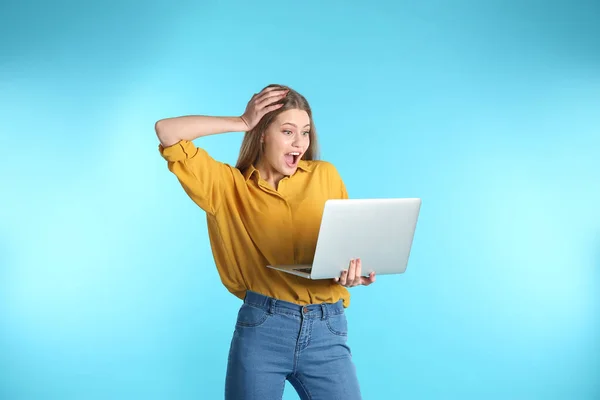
179, 151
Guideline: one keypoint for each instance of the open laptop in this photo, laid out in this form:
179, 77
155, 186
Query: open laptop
378, 231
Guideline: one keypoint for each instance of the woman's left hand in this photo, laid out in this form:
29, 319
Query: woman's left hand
353, 276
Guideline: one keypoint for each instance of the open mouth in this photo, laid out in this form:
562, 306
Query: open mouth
291, 159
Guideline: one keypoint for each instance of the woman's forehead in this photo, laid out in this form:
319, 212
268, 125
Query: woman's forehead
295, 117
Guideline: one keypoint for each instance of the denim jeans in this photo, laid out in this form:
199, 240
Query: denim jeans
275, 341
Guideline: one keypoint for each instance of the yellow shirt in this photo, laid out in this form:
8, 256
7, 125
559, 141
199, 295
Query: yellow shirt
251, 225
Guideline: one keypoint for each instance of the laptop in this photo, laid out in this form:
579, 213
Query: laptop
378, 231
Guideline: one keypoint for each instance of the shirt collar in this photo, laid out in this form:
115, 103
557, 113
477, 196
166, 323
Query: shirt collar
302, 165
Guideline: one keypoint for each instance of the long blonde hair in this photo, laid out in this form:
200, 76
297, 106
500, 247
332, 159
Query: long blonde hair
252, 150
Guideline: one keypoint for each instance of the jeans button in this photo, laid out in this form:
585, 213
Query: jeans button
305, 310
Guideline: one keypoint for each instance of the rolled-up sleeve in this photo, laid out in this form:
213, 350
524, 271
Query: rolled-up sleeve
202, 177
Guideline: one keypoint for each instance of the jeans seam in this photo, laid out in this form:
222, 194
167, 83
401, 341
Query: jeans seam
334, 331
310, 329
302, 385
256, 324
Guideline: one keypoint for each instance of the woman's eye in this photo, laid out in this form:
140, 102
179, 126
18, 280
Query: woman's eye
306, 133
287, 132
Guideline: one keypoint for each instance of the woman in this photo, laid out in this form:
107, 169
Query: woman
266, 211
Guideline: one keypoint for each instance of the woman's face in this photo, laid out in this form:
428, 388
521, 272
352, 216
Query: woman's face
285, 142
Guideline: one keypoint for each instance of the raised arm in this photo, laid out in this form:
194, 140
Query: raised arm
191, 127
204, 179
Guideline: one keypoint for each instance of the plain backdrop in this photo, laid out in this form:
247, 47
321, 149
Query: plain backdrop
487, 110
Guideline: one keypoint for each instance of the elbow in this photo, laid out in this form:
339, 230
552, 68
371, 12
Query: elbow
162, 133
159, 128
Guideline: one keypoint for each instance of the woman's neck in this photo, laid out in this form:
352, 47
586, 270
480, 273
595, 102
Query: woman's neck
269, 175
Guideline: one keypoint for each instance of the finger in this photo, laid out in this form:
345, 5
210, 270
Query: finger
264, 111
369, 280
272, 95
343, 277
352, 271
358, 272
271, 89
267, 99
270, 108
270, 92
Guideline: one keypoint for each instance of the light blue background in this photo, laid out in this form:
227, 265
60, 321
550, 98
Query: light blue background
488, 111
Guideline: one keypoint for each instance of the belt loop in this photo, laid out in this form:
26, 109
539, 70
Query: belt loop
324, 313
272, 306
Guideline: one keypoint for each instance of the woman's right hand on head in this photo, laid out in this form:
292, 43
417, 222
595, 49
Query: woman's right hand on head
262, 103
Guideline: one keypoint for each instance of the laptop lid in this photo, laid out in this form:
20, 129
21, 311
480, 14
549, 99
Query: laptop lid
378, 231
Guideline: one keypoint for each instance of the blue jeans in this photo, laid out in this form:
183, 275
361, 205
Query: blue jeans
275, 341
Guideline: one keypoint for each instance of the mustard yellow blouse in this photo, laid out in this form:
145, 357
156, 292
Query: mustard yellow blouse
251, 225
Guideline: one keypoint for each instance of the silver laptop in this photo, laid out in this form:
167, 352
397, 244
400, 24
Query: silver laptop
378, 231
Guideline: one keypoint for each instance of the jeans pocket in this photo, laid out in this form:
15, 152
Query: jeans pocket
337, 324
250, 316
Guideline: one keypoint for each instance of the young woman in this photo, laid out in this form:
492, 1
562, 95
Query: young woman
266, 211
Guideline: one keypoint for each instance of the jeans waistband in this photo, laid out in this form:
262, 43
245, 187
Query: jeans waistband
275, 306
